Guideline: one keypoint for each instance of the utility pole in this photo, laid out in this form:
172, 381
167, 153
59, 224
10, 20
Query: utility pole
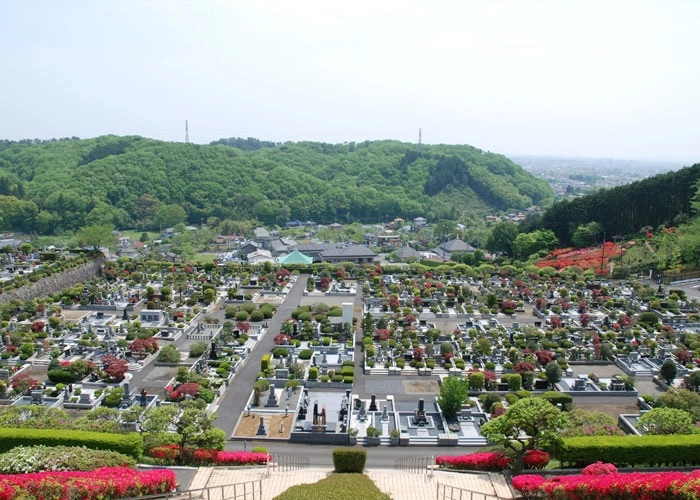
187, 133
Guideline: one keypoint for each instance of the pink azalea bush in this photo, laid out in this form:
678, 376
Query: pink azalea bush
528, 484
612, 486
169, 454
599, 469
485, 461
536, 459
103, 483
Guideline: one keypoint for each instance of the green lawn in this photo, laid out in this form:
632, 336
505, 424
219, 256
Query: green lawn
204, 258
336, 487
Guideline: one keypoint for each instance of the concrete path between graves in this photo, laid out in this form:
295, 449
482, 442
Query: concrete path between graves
400, 485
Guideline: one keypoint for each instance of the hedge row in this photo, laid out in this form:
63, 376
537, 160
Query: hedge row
648, 450
349, 460
129, 444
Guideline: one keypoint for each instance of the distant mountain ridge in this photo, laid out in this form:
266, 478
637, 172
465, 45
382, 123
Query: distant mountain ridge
51, 186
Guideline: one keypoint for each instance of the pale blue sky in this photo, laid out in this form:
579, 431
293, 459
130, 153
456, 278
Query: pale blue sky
581, 78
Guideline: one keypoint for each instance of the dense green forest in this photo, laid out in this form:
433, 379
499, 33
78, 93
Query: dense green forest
665, 199
62, 185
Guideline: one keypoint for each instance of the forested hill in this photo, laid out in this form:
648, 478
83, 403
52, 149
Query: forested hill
665, 199
49, 186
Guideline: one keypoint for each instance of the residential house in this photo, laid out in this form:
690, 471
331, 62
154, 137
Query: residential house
407, 253
446, 249
419, 223
260, 257
249, 247
357, 254
314, 250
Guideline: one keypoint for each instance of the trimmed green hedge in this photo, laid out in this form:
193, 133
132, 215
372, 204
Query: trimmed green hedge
128, 444
349, 460
623, 451
265, 362
555, 397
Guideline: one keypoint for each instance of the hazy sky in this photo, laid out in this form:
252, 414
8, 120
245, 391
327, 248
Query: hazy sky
616, 79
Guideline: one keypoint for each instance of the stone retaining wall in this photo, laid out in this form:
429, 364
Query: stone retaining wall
54, 283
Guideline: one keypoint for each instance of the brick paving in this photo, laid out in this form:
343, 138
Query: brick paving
400, 485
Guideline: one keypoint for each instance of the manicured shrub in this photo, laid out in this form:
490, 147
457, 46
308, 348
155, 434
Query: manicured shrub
313, 372
168, 354
647, 450
306, 353
559, 398
128, 444
536, 459
105, 482
630, 486
349, 460
198, 348
485, 461
265, 362
280, 352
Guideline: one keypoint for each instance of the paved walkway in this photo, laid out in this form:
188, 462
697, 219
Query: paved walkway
400, 485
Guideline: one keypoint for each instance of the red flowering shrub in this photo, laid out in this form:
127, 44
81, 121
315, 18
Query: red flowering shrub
143, 347
497, 411
536, 459
189, 389
282, 339
523, 367
683, 356
528, 483
544, 357
486, 461
23, 383
598, 469
508, 305
169, 454
114, 368
595, 258
38, 326
383, 333
105, 482
632, 486
240, 458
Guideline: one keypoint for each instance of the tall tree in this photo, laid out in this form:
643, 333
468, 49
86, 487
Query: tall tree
502, 237
95, 236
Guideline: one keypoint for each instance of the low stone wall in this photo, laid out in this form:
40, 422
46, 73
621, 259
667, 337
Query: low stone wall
320, 438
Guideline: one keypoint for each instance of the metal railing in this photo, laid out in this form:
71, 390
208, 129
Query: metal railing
447, 492
284, 463
416, 465
250, 490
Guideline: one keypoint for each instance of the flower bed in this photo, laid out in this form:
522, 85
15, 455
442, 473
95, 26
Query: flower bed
586, 258
170, 454
612, 486
536, 459
486, 461
103, 483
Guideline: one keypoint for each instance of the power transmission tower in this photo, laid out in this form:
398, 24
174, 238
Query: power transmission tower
420, 140
187, 133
